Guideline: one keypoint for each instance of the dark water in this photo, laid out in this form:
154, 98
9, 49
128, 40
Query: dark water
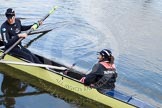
21, 95
132, 29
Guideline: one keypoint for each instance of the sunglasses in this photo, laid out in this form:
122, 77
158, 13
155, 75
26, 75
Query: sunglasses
10, 16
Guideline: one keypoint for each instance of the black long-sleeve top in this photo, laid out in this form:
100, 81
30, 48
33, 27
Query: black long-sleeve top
9, 32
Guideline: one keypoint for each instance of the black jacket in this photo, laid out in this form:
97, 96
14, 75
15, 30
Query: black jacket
101, 77
10, 32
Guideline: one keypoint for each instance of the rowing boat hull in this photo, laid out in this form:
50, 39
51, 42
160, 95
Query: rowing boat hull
59, 86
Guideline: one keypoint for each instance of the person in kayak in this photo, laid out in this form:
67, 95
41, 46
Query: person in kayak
103, 75
11, 32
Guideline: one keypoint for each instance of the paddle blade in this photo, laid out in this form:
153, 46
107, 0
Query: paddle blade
53, 10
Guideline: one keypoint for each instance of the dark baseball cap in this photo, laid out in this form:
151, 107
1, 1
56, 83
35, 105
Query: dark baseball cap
105, 52
10, 13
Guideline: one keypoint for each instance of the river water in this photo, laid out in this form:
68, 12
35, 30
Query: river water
131, 29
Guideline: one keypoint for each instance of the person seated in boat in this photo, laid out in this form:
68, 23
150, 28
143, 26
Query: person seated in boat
103, 75
11, 33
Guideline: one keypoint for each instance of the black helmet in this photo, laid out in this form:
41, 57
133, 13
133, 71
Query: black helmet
106, 53
10, 13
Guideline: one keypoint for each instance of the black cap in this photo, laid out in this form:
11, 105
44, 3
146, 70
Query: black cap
105, 52
10, 13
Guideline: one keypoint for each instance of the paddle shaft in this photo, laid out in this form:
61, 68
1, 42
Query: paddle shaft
35, 26
33, 64
48, 67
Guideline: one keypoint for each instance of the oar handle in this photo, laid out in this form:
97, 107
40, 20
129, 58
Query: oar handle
34, 27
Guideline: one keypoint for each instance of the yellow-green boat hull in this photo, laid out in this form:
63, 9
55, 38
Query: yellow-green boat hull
59, 86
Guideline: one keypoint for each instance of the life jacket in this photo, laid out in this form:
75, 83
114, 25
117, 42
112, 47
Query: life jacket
108, 65
109, 77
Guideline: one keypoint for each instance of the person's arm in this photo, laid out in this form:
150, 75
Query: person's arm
91, 77
24, 28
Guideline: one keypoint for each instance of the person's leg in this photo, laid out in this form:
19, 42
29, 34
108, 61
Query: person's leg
20, 53
35, 59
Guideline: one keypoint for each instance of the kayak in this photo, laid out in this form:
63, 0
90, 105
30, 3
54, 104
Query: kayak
65, 86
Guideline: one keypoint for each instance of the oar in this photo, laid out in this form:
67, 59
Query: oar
34, 27
37, 32
31, 41
33, 64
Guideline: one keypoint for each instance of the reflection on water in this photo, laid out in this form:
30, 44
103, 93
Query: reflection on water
17, 94
10, 87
